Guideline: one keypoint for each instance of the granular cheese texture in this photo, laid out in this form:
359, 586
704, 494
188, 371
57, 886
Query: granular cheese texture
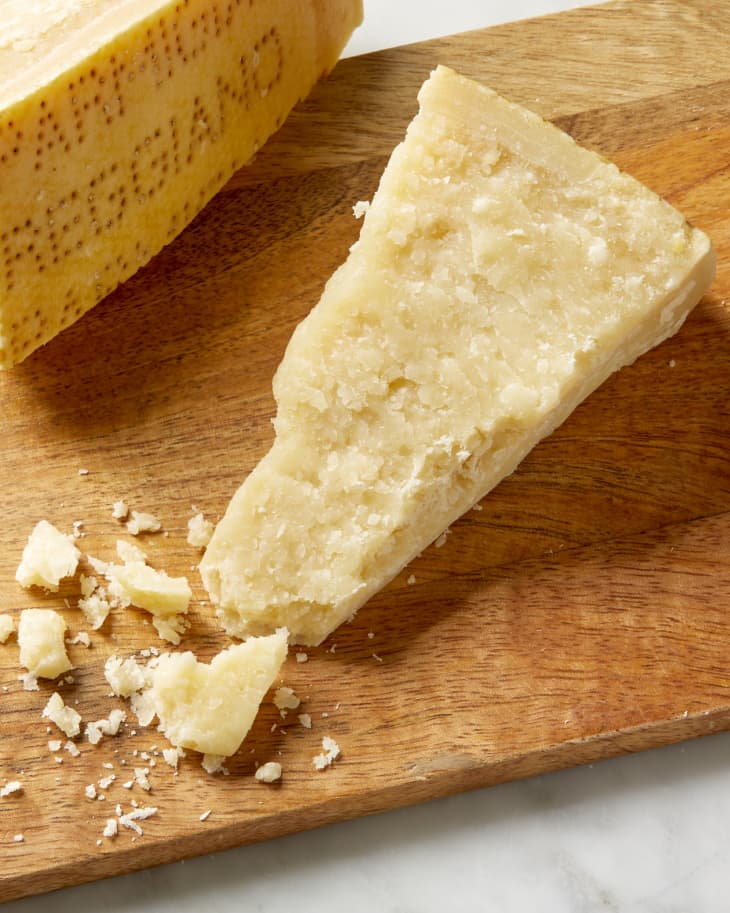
269, 772
330, 752
199, 530
166, 598
502, 274
119, 120
48, 556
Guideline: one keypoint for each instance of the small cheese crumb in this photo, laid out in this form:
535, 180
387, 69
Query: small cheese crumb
7, 626
269, 772
213, 763
106, 782
30, 682
172, 756
54, 744
124, 676
66, 718
13, 786
111, 829
330, 753
72, 748
120, 510
18, 838
90, 791
302, 657
93, 733
205, 815
285, 699
47, 558
81, 638
83, 472
200, 530
306, 720
140, 522
411, 580
140, 776
360, 208
138, 814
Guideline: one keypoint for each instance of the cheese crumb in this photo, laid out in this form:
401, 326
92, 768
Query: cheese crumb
54, 744
200, 530
330, 753
302, 657
66, 718
205, 815
360, 208
72, 748
306, 720
111, 829
285, 699
172, 756
140, 522
166, 598
213, 763
124, 676
81, 638
90, 791
140, 776
7, 626
269, 772
41, 640
129, 552
10, 788
18, 838
138, 814
47, 558
120, 510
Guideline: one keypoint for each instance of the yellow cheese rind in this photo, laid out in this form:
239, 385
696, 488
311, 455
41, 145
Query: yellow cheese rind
122, 126
502, 274
211, 707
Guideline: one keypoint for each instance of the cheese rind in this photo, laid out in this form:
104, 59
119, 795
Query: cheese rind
119, 120
211, 707
502, 273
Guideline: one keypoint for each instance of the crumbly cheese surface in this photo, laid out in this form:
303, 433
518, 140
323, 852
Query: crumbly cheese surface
48, 557
119, 120
211, 707
502, 273
41, 635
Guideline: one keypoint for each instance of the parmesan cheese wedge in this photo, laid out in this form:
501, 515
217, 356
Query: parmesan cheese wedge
119, 120
502, 273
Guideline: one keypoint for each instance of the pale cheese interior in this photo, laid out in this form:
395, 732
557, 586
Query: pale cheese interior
502, 273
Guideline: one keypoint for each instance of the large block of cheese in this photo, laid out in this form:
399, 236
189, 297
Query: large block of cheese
502, 273
119, 120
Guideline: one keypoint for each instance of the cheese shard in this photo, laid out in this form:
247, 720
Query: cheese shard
119, 120
48, 557
502, 273
211, 707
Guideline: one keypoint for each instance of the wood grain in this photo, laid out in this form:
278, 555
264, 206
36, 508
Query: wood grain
581, 613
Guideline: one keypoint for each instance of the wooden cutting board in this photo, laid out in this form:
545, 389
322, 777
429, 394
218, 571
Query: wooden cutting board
582, 612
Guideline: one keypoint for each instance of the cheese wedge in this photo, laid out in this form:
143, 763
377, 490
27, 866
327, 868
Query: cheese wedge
119, 120
502, 274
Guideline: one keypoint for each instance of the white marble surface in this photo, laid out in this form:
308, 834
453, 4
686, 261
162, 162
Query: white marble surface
648, 833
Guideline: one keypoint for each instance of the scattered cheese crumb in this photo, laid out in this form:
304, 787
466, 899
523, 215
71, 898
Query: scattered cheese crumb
111, 829
138, 814
47, 558
90, 791
302, 657
172, 756
377, 658
106, 782
285, 699
140, 776
140, 522
30, 682
411, 580
120, 510
83, 472
205, 815
200, 530
213, 763
330, 753
41, 639
72, 748
66, 718
81, 638
18, 838
269, 772
93, 733
441, 541
54, 744
306, 720
13, 786
7, 626
124, 676
360, 208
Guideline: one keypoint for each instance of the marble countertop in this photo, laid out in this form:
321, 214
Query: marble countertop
647, 832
